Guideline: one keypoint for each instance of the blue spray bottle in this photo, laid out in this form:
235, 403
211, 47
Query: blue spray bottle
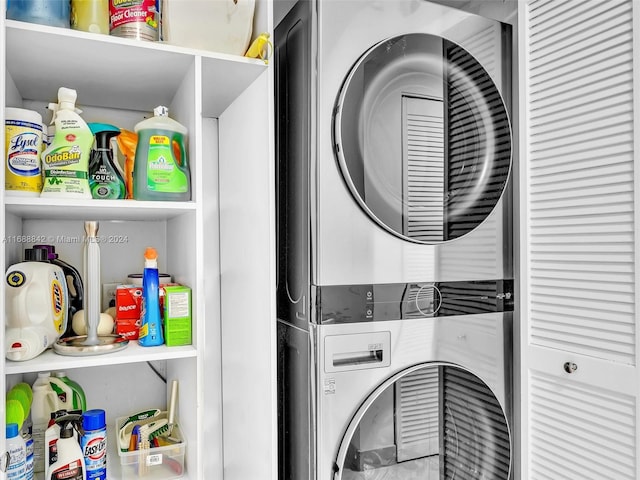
150, 326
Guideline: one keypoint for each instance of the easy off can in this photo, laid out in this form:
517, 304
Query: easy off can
94, 444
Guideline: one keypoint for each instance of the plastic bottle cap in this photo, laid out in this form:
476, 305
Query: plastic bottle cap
12, 430
36, 255
93, 419
67, 98
44, 374
150, 253
51, 250
161, 111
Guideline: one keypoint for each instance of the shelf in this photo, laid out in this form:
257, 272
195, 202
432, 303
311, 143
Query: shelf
91, 209
133, 353
116, 72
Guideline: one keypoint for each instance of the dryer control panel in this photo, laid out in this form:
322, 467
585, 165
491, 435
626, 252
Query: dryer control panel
399, 301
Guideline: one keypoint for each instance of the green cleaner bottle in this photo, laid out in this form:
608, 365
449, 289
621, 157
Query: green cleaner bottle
65, 162
105, 179
161, 166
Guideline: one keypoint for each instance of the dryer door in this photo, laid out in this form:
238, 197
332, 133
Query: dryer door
434, 421
423, 138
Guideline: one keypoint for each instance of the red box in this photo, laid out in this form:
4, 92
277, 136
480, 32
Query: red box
128, 307
128, 304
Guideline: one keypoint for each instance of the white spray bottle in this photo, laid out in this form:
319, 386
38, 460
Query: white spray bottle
70, 462
65, 162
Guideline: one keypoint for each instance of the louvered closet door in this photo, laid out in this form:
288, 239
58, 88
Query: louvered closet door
579, 237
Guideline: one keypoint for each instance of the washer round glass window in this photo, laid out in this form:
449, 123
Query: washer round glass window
423, 138
430, 422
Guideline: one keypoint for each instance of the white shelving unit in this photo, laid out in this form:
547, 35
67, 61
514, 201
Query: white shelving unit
220, 243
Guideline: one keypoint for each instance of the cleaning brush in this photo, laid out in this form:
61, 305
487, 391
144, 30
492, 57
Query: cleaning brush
172, 411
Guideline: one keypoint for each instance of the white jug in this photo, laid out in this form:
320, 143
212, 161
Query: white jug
217, 25
35, 308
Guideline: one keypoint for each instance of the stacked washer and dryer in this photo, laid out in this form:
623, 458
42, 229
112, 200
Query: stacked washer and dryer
395, 257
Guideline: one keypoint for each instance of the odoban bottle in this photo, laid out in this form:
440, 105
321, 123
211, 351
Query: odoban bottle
161, 167
65, 162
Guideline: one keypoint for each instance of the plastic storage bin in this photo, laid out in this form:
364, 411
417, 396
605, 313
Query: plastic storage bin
159, 463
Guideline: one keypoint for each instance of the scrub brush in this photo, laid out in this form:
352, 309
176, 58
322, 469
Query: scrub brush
156, 429
172, 411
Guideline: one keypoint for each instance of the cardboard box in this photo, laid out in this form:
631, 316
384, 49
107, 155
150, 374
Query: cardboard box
129, 307
177, 315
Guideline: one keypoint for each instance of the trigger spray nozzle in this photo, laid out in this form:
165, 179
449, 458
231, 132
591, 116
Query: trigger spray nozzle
69, 423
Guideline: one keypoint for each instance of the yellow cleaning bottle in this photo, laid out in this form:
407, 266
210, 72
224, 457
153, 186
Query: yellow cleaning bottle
65, 162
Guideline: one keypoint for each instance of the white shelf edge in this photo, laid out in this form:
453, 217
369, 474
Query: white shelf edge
66, 208
133, 353
132, 43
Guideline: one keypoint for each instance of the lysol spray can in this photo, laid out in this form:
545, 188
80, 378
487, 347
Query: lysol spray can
94, 444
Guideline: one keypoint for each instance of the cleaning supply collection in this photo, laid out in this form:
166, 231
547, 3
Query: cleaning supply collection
156, 165
49, 426
224, 26
51, 307
46, 434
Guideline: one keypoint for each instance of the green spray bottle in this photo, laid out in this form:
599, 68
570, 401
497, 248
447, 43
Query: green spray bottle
161, 166
105, 179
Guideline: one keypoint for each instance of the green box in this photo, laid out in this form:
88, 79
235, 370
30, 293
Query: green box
177, 315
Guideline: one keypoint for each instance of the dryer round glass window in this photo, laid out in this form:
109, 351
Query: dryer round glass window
431, 422
423, 138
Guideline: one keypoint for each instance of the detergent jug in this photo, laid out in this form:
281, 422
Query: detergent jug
45, 402
35, 308
75, 288
161, 167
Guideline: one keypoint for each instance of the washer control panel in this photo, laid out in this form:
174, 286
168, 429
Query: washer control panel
399, 301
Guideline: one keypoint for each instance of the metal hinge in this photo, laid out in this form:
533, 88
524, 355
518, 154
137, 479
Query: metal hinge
4, 461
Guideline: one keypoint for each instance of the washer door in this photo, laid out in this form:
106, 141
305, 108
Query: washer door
433, 421
422, 138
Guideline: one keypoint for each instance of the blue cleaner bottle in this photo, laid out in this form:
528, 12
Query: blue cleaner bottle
150, 326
